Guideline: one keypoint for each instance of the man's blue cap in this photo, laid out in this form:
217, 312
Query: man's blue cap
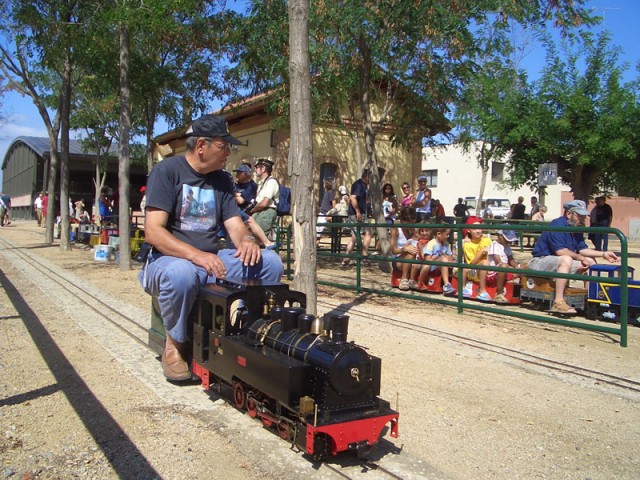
243, 168
577, 206
212, 126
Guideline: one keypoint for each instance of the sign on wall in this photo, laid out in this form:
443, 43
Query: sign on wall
547, 174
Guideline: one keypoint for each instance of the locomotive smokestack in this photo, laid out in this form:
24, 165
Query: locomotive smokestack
339, 328
276, 312
304, 323
290, 318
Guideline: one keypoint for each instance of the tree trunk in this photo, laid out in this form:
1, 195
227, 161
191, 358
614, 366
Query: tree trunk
370, 149
123, 152
301, 154
51, 188
484, 166
151, 120
65, 115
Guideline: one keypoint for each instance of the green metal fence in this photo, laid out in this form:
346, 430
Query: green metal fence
459, 302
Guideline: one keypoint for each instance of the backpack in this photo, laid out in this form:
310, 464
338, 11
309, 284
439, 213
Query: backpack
283, 204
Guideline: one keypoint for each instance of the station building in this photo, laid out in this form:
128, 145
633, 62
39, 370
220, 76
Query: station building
25, 173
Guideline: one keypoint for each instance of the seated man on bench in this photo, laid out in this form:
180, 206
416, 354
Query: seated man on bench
565, 252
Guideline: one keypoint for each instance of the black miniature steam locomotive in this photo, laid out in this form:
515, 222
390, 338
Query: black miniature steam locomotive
293, 371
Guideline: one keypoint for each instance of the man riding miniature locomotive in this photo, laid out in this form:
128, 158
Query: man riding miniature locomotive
185, 252
565, 252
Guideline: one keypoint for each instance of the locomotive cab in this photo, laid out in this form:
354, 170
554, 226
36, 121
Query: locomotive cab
603, 302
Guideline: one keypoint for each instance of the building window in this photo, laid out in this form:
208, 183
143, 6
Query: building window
497, 171
432, 177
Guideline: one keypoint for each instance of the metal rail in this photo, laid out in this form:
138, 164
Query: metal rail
623, 281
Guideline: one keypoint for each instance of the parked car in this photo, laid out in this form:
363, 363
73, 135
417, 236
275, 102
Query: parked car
500, 207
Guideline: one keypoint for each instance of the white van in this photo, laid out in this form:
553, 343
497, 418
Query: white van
500, 207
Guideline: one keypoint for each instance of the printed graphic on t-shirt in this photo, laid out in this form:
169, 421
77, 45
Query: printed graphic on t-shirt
198, 209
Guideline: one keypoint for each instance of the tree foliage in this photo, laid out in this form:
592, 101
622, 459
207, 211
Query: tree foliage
582, 116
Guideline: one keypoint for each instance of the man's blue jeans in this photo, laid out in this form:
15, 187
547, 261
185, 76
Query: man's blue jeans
176, 281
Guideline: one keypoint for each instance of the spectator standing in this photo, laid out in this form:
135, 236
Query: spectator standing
601, 216
114, 203
45, 207
358, 215
517, 210
341, 208
264, 212
79, 209
389, 203
185, 254
104, 208
5, 206
535, 207
485, 210
246, 188
37, 207
565, 252
326, 205
143, 202
422, 201
407, 196
461, 210
438, 211
539, 215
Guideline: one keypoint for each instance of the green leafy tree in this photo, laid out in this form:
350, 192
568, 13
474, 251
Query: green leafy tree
37, 57
367, 54
581, 116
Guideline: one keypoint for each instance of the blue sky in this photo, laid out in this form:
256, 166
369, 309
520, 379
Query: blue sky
621, 19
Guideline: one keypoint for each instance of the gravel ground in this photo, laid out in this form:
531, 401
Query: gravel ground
70, 408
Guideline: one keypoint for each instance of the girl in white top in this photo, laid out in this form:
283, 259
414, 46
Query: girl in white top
403, 245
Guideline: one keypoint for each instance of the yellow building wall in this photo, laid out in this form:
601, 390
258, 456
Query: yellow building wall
330, 145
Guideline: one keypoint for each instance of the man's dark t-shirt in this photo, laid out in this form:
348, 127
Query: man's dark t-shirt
517, 211
360, 190
197, 204
247, 190
460, 210
327, 200
602, 216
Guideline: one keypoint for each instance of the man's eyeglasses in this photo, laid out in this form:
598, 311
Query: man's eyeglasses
405, 187
221, 146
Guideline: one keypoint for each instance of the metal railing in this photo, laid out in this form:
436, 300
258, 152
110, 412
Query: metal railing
461, 305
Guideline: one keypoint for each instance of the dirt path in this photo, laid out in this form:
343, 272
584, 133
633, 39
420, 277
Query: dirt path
470, 406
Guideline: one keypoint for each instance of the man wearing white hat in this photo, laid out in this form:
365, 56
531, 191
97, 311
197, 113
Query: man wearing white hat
565, 252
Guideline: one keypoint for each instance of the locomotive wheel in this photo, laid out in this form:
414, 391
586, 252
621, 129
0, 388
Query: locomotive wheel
239, 397
284, 430
267, 422
252, 406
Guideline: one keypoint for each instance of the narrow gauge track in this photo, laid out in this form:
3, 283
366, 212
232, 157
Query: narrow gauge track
362, 470
519, 355
104, 310
138, 332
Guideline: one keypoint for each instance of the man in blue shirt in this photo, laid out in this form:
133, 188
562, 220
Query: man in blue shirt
565, 252
358, 215
246, 188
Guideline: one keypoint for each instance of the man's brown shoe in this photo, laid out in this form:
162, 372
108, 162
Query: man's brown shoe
174, 367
